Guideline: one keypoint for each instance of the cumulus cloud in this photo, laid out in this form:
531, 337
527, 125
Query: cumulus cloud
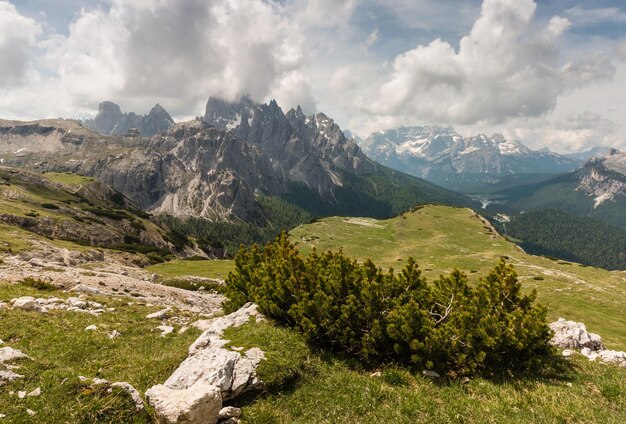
138, 52
18, 36
505, 67
573, 133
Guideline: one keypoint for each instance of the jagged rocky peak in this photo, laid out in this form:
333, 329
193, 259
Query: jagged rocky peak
111, 120
225, 114
303, 145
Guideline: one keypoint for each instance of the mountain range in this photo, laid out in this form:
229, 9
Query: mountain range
445, 157
219, 166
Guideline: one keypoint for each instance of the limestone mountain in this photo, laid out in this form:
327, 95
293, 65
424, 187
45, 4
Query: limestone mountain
443, 156
111, 120
596, 190
219, 169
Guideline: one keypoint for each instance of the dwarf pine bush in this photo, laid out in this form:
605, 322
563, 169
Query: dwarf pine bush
381, 316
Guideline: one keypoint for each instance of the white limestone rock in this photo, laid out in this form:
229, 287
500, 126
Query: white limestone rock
165, 330
574, 335
7, 376
114, 334
197, 404
134, 394
25, 303
8, 354
162, 314
35, 393
229, 412
91, 327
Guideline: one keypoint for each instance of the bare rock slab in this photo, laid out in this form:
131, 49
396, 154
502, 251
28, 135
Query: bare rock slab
200, 403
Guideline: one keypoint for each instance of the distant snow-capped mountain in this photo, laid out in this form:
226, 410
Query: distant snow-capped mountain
445, 157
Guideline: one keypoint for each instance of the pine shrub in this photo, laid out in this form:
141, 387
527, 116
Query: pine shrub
382, 317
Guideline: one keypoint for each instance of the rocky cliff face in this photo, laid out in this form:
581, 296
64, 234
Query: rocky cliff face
445, 157
305, 149
111, 120
604, 177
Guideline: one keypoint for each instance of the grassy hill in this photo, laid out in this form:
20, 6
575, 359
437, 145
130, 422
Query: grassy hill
443, 238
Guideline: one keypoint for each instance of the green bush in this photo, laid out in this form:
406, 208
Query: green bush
381, 316
37, 284
49, 206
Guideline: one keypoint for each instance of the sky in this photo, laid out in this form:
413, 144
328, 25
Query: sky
550, 73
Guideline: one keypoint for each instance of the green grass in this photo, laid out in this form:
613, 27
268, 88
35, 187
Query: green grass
61, 351
319, 388
68, 178
443, 238
218, 269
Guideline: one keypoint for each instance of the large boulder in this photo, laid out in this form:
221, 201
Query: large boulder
199, 403
574, 335
209, 365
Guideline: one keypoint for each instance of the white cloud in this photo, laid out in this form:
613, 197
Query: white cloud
573, 133
324, 13
18, 36
504, 68
139, 52
592, 16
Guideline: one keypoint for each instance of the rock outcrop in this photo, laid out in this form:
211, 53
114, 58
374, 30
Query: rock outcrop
210, 374
573, 336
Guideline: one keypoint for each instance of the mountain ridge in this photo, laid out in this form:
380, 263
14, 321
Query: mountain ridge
445, 157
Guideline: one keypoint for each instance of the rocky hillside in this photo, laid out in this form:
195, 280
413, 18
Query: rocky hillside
217, 169
111, 120
596, 190
71, 219
443, 156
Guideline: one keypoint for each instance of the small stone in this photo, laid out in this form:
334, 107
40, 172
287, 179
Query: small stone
165, 330
30, 412
2, 416
229, 412
465, 380
9, 376
91, 328
585, 351
113, 334
8, 354
76, 302
567, 353
35, 392
21, 394
100, 382
162, 314
431, 374
37, 262
25, 303
134, 394
376, 374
